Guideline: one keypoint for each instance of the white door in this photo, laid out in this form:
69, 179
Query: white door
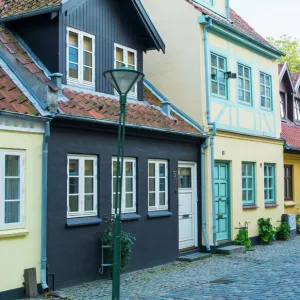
187, 183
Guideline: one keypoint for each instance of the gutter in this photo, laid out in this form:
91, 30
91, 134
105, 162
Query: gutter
213, 125
135, 126
203, 212
44, 208
19, 115
30, 14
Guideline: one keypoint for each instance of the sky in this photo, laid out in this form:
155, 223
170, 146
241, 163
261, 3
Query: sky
270, 18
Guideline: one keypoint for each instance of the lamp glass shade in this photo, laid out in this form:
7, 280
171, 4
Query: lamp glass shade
123, 79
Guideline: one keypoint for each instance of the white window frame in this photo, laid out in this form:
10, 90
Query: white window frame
21, 155
157, 206
124, 210
81, 212
80, 79
126, 49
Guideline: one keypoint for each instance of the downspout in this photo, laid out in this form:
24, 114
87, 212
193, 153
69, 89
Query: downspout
44, 208
213, 125
203, 213
227, 8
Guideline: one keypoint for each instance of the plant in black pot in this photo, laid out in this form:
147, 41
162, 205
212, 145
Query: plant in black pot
284, 231
127, 240
266, 231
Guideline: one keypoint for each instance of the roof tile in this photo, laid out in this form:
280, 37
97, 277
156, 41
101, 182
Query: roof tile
291, 133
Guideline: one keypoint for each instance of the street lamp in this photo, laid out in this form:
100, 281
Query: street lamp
123, 79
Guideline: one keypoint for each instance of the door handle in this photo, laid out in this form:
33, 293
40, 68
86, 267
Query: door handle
185, 216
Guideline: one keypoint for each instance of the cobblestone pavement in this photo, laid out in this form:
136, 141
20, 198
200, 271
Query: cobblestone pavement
269, 272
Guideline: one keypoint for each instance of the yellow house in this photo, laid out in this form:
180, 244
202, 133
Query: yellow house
224, 75
21, 140
290, 121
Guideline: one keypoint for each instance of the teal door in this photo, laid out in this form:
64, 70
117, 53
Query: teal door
222, 199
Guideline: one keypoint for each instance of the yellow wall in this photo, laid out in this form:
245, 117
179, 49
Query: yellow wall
293, 207
235, 149
21, 248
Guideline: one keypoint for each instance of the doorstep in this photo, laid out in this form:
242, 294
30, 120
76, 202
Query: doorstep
194, 257
228, 250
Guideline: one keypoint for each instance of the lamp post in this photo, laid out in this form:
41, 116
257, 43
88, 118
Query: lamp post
123, 79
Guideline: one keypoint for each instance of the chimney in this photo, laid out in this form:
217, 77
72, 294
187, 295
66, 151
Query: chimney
166, 108
53, 97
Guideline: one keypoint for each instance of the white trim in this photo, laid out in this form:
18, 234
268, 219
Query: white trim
81, 186
123, 199
19, 124
157, 177
21, 155
81, 50
193, 165
125, 58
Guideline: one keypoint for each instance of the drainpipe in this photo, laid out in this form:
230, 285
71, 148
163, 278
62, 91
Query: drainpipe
44, 208
203, 218
227, 8
212, 124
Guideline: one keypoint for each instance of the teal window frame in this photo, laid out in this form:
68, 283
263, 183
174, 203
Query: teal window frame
244, 84
265, 83
269, 183
218, 77
248, 183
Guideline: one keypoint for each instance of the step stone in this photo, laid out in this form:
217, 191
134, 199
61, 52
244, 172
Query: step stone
228, 250
194, 257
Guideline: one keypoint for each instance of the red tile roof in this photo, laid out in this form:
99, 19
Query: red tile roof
16, 7
105, 108
11, 97
291, 133
295, 77
237, 22
22, 56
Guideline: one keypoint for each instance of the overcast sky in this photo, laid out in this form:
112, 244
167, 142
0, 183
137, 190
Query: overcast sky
271, 17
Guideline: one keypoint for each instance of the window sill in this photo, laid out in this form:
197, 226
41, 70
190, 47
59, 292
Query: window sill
130, 217
85, 221
289, 203
159, 214
247, 207
6, 234
270, 205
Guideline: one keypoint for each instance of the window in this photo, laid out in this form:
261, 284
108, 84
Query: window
244, 82
288, 182
248, 184
128, 185
80, 57
218, 80
128, 57
157, 185
282, 105
265, 91
11, 189
269, 170
82, 186
297, 109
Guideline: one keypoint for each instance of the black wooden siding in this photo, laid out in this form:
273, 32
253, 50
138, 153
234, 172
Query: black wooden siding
111, 22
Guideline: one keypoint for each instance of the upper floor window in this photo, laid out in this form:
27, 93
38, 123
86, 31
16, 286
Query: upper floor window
248, 183
82, 186
269, 174
80, 57
244, 78
265, 91
128, 202
128, 57
218, 80
282, 105
297, 109
157, 185
11, 189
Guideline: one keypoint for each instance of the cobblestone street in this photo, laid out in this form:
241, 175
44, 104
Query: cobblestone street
269, 272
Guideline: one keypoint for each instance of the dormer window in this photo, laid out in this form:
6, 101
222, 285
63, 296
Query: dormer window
297, 110
128, 57
282, 105
80, 57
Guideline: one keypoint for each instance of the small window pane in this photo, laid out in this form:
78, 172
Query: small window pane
185, 177
151, 170
12, 188
240, 71
162, 170
262, 79
162, 199
73, 167
119, 54
129, 184
11, 165
129, 168
12, 212
87, 74
114, 168
221, 63
214, 87
73, 39
73, 70
247, 73
73, 55
162, 184
151, 184
214, 60
250, 197
114, 184
73, 204
131, 59
88, 202
89, 185
87, 44
151, 199
88, 59
222, 90
129, 200
89, 167
73, 185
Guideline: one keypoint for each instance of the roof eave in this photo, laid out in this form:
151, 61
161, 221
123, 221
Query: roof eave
264, 48
31, 14
155, 36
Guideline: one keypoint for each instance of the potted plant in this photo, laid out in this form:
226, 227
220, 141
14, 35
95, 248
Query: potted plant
266, 231
284, 231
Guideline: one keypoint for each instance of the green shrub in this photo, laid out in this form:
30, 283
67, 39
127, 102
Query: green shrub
242, 238
266, 231
284, 231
